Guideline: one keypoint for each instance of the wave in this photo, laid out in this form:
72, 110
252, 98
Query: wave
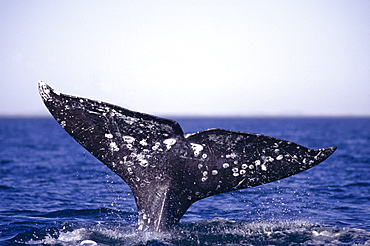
208, 232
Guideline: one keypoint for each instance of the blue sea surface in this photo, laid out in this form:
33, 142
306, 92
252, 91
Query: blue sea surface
53, 192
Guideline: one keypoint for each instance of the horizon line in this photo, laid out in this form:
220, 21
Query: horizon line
169, 116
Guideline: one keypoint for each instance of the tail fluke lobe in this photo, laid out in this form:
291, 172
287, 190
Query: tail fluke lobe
124, 140
236, 160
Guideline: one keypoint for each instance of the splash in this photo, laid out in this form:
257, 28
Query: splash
213, 232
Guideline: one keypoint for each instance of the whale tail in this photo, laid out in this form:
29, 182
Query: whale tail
166, 170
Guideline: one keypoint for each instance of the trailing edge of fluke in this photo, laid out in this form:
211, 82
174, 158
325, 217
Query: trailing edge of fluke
168, 170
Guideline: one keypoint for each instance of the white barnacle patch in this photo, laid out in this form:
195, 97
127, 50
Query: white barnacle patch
204, 178
128, 139
279, 157
113, 146
129, 170
200, 165
257, 162
225, 165
197, 148
156, 146
214, 172
263, 167
235, 174
244, 166
251, 166
142, 161
143, 142
205, 173
169, 142
63, 123
108, 135
268, 159
242, 172
133, 155
235, 170
204, 156
232, 155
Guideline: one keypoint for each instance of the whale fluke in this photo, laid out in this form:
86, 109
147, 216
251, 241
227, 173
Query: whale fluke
168, 170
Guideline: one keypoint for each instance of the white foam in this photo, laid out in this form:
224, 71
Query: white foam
232, 233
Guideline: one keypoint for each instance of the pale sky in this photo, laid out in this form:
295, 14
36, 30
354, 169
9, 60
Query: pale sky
231, 58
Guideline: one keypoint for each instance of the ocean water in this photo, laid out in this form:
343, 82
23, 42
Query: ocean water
53, 192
